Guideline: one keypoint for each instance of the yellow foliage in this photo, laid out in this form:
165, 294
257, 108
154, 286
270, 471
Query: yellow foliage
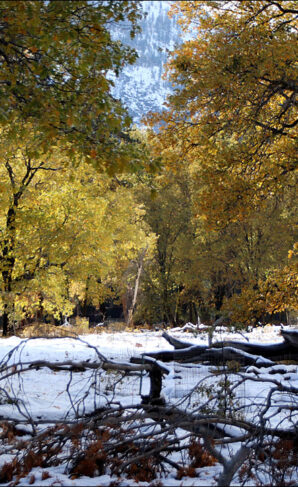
245, 308
73, 234
278, 292
280, 289
231, 119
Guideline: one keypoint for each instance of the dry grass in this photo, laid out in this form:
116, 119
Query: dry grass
79, 326
45, 329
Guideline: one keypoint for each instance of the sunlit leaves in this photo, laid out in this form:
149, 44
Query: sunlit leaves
72, 227
231, 124
233, 111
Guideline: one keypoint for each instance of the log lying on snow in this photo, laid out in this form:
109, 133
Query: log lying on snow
212, 355
225, 354
177, 344
242, 352
290, 336
186, 355
289, 345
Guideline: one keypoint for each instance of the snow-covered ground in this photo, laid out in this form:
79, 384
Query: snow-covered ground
48, 395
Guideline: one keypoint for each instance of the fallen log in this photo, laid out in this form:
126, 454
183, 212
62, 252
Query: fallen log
273, 351
214, 356
228, 354
290, 336
190, 354
177, 344
184, 351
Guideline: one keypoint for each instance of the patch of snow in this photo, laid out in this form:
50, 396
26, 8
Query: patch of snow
44, 392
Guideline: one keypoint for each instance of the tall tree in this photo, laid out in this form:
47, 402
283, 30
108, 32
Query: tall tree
55, 60
231, 123
233, 111
64, 230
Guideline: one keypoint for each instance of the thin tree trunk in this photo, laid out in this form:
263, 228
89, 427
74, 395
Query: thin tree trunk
85, 301
8, 260
136, 289
8, 249
5, 321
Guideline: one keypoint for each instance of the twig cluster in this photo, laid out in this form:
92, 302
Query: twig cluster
98, 434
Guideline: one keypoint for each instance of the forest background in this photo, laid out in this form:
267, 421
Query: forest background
193, 216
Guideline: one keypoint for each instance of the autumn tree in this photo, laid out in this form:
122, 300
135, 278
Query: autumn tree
195, 271
57, 111
166, 201
55, 60
233, 111
231, 124
64, 231
280, 289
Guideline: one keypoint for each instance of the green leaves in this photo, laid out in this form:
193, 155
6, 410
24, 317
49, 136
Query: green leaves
55, 58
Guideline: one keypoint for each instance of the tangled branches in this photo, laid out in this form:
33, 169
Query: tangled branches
102, 430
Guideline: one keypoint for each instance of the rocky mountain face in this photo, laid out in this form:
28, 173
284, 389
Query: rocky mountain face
140, 86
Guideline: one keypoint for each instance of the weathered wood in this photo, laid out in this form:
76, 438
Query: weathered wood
269, 351
140, 365
177, 344
277, 351
156, 371
194, 423
148, 362
154, 397
291, 336
274, 351
227, 354
211, 426
185, 355
211, 355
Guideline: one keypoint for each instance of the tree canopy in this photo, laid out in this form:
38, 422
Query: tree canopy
68, 234
233, 112
230, 124
56, 58
82, 215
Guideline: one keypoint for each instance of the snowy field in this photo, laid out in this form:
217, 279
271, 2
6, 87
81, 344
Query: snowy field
47, 396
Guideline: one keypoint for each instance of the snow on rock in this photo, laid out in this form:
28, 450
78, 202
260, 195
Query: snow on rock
140, 86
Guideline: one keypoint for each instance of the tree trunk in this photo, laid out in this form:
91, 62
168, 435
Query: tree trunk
177, 344
5, 321
136, 289
85, 302
193, 314
8, 260
124, 302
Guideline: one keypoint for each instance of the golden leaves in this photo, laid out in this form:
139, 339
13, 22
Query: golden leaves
226, 117
73, 224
